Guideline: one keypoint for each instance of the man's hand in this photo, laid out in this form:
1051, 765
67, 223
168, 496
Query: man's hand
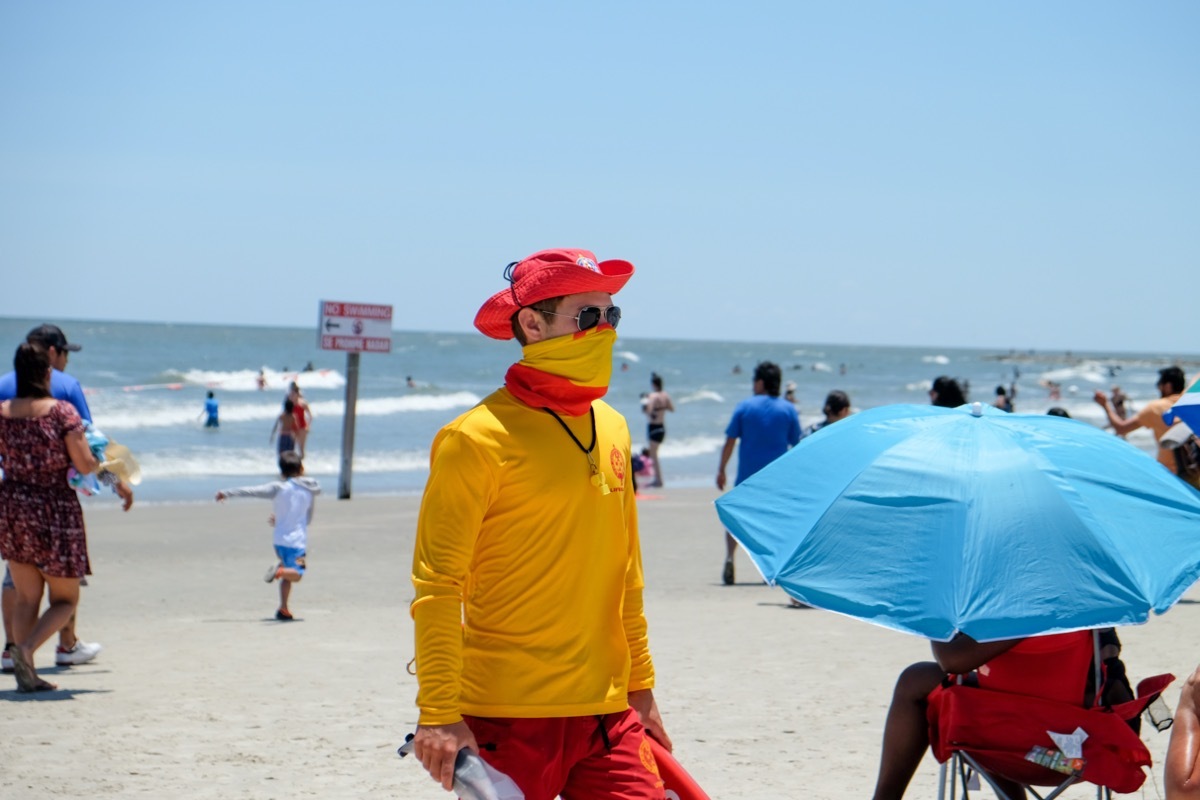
126, 495
1101, 398
726, 454
642, 701
437, 746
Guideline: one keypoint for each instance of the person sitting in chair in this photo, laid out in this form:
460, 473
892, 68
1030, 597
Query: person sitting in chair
1057, 663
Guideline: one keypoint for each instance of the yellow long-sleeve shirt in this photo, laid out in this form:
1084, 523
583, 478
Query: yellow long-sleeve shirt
528, 579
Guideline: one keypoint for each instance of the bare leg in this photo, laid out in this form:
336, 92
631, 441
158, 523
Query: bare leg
287, 576
30, 630
727, 576
657, 464
66, 634
8, 602
1013, 791
906, 732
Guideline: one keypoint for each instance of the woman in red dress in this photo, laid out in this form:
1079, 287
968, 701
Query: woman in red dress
41, 522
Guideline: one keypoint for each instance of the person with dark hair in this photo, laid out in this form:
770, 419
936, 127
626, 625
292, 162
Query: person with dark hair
285, 425
946, 392
211, 410
531, 638
1174, 378
292, 497
767, 425
62, 385
837, 406
1058, 411
1003, 400
41, 523
1171, 383
303, 415
71, 649
1119, 399
655, 406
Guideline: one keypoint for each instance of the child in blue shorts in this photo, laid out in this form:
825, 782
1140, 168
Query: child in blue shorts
293, 500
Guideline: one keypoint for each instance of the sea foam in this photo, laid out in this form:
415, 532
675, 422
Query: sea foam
126, 416
196, 463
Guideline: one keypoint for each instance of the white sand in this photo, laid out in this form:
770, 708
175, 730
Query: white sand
199, 693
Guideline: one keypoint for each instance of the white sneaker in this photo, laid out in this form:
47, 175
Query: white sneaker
6, 662
81, 653
272, 572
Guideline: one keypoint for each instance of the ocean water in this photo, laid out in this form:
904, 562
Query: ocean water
146, 385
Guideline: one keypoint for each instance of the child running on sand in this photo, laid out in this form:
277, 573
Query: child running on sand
293, 500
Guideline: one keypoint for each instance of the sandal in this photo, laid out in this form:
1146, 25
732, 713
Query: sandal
27, 677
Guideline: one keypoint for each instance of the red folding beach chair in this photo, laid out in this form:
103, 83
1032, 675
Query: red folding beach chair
1003, 730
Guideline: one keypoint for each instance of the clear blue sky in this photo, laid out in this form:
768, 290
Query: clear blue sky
951, 173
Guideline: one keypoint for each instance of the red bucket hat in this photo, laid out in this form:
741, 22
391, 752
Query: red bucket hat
550, 273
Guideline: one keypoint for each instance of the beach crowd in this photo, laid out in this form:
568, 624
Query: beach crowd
532, 644
544, 459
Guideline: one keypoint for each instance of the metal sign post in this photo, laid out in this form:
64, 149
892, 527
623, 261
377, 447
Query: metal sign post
348, 426
354, 328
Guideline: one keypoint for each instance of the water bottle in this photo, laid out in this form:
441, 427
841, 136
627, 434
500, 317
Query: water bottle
475, 779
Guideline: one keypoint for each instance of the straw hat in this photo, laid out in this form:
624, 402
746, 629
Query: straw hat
120, 462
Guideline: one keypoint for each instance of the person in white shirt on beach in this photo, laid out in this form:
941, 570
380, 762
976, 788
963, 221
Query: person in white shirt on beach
293, 500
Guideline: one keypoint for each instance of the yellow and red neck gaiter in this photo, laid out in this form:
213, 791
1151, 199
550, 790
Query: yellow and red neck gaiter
566, 373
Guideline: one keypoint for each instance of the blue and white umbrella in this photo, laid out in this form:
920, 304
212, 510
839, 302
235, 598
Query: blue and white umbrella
1186, 409
934, 521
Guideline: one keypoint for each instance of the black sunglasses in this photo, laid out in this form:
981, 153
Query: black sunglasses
590, 316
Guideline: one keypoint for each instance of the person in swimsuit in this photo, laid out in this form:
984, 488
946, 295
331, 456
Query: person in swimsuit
655, 406
303, 415
285, 424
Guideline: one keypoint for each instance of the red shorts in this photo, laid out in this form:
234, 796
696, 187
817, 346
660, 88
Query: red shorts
568, 756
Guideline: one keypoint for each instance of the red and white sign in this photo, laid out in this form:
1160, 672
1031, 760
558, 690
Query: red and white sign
354, 327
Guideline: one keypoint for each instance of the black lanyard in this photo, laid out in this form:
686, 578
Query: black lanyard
598, 479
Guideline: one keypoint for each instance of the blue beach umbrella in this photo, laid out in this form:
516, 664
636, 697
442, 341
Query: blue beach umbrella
937, 520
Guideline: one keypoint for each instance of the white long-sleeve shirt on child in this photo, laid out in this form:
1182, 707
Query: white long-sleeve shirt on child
293, 501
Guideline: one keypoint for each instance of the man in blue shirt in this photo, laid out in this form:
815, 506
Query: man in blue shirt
210, 409
767, 426
62, 385
71, 649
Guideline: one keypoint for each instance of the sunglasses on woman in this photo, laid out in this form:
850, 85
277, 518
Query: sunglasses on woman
590, 316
